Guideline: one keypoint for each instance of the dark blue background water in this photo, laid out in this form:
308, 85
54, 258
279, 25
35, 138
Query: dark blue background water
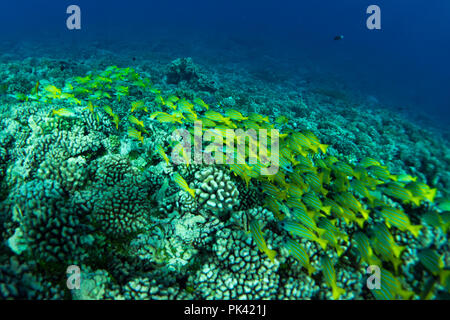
407, 61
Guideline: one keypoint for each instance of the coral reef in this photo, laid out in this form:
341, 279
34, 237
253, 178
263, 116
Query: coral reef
86, 179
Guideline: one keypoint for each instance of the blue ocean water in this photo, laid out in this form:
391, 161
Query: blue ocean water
405, 64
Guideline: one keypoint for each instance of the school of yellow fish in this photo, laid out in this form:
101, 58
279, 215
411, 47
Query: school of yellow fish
312, 194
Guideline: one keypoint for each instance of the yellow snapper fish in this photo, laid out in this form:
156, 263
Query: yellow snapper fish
398, 191
434, 263
333, 241
343, 212
138, 105
241, 170
201, 103
165, 117
274, 206
330, 225
108, 110
390, 288
249, 124
365, 250
343, 168
347, 200
162, 153
53, 91
91, 108
300, 144
312, 201
421, 190
281, 120
235, 115
185, 106
315, 142
36, 89
116, 120
136, 134
181, 151
301, 231
406, 178
438, 220
257, 235
300, 254
369, 162
273, 191
154, 90
258, 118
159, 99
330, 277
64, 112
136, 121
381, 173
179, 180
360, 188
191, 116
207, 123
399, 219
171, 105
385, 245
305, 217
83, 80
216, 116
172, 98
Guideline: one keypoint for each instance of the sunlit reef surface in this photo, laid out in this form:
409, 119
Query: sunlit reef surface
86, 180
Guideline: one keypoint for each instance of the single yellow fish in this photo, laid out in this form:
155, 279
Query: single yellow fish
138, 105
162, 153
136, 121
64, 112
179, 180
201, 103
235, 115
116, 120
136, 134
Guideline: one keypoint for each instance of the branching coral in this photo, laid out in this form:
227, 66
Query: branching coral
73, 199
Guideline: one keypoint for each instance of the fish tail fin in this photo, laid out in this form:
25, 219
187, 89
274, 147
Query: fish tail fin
314, 148
339, 250
360, 222
393, 177
320, 231
310, 269
431, 194
397, 250
406, 295
415, 230
322, 242
443, 276
326, 209
191, 192
323, 148
416, 201
365, 213
337, 292
373, 260
271, 254
396, 262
